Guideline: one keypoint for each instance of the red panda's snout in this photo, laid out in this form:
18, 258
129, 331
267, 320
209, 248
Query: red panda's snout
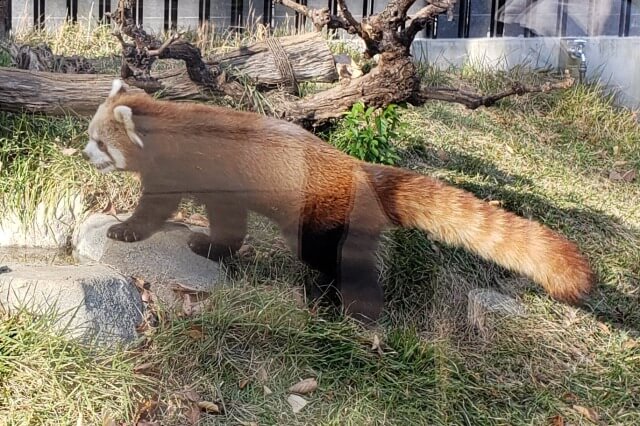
103, 157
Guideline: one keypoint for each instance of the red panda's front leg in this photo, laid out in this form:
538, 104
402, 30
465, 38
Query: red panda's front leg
152, 211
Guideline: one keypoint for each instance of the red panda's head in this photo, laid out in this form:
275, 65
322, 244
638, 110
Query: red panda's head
113, 141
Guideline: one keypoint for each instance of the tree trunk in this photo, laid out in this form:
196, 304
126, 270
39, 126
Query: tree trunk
393, 80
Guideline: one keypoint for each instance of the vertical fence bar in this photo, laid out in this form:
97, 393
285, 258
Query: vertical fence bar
625, 18
463, 24
267, 13
236, 14
561, 25
38, 14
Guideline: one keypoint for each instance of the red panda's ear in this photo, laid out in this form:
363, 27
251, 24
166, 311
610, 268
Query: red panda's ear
117, 87
124, 115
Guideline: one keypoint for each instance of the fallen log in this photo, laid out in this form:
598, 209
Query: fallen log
78, 94
51, 93
308, 54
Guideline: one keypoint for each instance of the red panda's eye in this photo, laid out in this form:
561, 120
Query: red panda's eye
101, 145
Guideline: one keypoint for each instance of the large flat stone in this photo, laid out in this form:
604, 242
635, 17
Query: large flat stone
94, 303
163, 260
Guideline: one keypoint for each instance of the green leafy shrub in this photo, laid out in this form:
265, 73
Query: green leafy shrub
366, 133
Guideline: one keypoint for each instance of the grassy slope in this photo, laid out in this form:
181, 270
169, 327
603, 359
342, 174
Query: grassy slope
542, 156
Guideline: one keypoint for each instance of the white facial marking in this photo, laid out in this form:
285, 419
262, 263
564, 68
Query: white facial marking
116, 85
95, 154
117, 156
103, 161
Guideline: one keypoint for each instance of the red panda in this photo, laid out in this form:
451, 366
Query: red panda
330, 207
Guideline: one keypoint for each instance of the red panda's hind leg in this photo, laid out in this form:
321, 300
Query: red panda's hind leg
348, 273
227, 229
358, 277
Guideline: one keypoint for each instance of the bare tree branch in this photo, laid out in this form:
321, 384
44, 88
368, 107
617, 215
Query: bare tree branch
319, 17
350, 19
474, 100
159, 51
426, 15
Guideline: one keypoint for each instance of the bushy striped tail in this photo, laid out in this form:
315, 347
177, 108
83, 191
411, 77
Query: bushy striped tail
457, 217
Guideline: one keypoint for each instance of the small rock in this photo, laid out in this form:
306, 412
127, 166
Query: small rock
95, 303
164, 259
484, 302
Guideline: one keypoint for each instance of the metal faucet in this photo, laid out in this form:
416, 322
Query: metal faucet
576, 51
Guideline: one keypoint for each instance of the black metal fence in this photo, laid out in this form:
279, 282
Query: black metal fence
472, 18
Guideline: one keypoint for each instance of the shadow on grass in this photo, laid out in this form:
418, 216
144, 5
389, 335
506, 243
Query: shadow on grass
611, 246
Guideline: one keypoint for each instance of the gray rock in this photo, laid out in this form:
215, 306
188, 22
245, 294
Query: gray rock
163, 260
484, 304
50, 227
93, 302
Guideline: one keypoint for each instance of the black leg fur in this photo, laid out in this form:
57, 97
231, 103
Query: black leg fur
348, 272
227, 229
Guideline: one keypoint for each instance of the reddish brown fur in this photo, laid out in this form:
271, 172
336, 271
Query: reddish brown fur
322, 199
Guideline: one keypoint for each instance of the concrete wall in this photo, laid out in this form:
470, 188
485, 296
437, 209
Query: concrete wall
614, 61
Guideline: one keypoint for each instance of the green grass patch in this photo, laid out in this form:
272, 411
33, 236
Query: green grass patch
40, 163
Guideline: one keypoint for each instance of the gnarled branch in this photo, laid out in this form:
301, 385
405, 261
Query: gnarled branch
474, 100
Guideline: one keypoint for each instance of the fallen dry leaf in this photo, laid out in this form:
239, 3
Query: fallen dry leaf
603, 327
262, 375
189, 394
68, 152
266, 391
375, 346
195, 333
146, 296
630, 344
246, 250
443, 155
209, 407
108, 421
143, 367
296, 402
615, 176
557, 420
630, 175
587, 412
305, 386
298, 297
194, 414
243, 383
183, 288
110, 209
